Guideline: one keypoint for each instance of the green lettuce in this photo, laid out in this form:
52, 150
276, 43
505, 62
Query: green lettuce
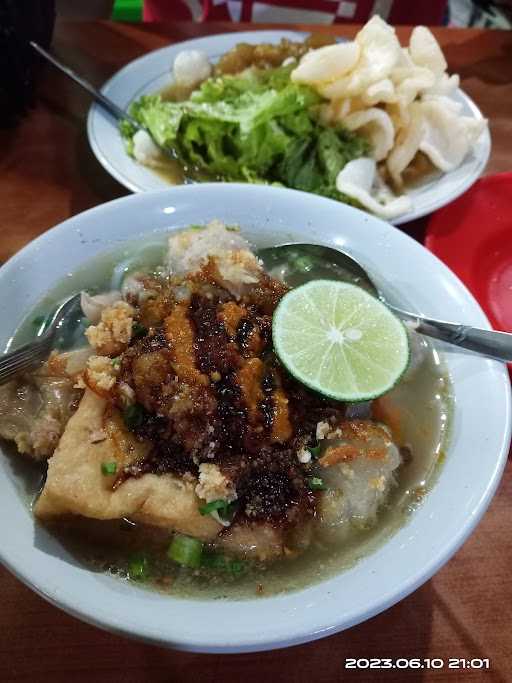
313, 163
258, 127
162, 119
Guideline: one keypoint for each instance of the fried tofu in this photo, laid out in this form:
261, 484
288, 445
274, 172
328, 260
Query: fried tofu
76, 485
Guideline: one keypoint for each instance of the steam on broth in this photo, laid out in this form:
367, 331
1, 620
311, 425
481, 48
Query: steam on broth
300, 547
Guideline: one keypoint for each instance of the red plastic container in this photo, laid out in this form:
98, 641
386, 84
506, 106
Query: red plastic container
473, 236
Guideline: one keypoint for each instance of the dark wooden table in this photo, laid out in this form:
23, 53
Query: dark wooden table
48, 173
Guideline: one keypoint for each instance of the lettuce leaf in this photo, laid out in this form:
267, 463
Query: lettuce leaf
313, 163
162, 119
255, 127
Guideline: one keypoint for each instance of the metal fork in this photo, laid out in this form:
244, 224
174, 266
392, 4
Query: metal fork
29, 355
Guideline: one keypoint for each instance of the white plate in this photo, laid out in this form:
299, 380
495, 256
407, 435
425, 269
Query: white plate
151, 73
474, 462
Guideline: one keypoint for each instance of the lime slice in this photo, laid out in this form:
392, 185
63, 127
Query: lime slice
339, 340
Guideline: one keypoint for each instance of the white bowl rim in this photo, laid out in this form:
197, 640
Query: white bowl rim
314, 627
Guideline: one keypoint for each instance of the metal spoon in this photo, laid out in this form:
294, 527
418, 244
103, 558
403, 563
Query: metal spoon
105, 102
111, 107
29, 355
295, 262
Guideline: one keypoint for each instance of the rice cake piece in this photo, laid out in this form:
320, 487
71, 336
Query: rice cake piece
76, 485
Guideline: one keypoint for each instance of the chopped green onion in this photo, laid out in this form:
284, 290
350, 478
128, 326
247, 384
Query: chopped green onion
229, 511
133, 416
226, 510
315, 451
108, 468
138, 568
223, 563
116, 362
316, 484
213, 561
304, 264
212, 505
237, 567
186, 551
138, 330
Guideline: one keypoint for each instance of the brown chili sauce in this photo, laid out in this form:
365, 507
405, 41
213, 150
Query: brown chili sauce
234, 406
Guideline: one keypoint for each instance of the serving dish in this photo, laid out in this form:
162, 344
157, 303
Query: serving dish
152, 72
474, 459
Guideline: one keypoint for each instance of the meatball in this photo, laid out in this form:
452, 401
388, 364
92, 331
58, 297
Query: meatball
357, 467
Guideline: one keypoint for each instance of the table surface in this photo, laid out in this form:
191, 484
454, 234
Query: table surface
48, 173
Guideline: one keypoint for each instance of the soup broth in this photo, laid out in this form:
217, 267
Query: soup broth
417, 411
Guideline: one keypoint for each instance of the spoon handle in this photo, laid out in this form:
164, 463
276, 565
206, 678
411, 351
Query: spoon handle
107, 103
497, 345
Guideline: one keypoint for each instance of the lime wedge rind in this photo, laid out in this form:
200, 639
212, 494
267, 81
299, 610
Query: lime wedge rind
340, 341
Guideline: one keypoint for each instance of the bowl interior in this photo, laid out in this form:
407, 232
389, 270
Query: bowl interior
412, 277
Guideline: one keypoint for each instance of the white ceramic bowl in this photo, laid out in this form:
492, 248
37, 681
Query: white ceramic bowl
152, 72
474, 463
